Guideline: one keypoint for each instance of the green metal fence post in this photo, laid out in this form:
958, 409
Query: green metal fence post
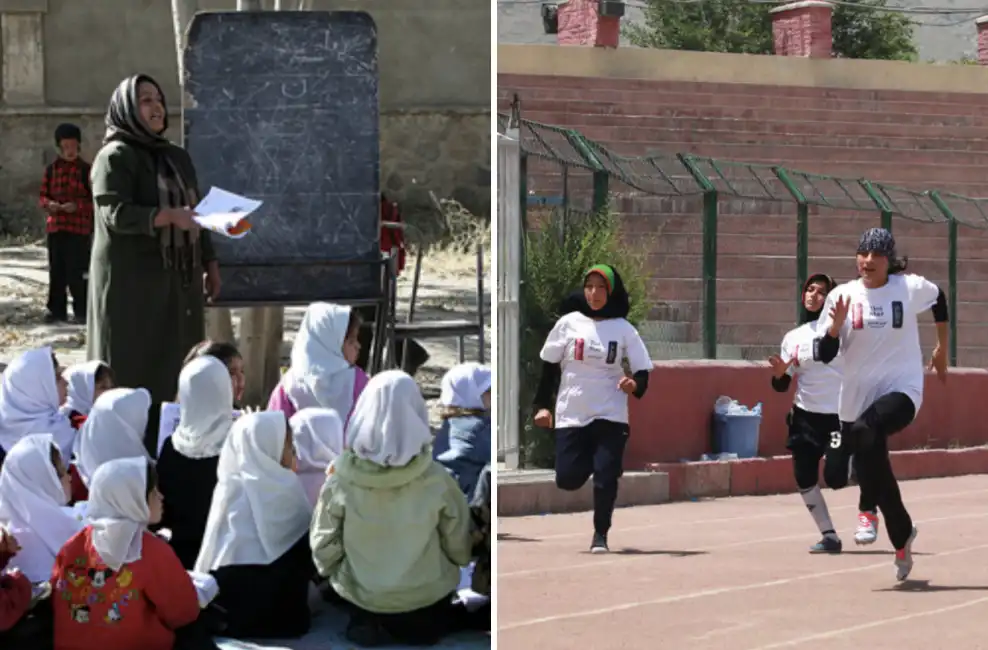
802, 235
951, 270
879, 202
709, 297
601, 176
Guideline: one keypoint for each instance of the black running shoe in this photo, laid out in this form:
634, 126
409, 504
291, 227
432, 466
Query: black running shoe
828, 544
599, 544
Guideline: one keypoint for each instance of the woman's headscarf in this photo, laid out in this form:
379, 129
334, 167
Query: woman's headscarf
319, 375
318, 436
32, 498
618, 301
259, 509
118, 510
807, 315
114, 429
464, 385
29, 402
205, 396
179, 248
390, 424
81, 380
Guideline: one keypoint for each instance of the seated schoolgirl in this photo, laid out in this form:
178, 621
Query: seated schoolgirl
256, 543
117, 586
322, 372
318, 437
32, 392
231, 358
407, 522
15, 588
189, 457
34, 490
114, 429
85, 382
463, 443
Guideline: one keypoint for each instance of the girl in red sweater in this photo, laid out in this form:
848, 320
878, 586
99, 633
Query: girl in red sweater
85, 382
116, 586
15, 588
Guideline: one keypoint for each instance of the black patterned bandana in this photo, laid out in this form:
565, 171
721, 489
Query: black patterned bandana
877, 240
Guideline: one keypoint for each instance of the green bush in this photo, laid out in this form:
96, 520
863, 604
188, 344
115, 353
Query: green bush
556, 257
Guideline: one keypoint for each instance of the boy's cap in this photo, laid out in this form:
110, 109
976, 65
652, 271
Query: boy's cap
67, 132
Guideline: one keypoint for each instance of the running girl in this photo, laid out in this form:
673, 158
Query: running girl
872, 321
582, 356
813, 419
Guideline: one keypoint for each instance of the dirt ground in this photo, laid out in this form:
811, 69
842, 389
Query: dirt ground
447, 290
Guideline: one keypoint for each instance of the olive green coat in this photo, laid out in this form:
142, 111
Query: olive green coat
142, 321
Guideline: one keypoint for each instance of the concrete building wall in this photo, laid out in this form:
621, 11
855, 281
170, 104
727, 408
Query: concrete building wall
62, 59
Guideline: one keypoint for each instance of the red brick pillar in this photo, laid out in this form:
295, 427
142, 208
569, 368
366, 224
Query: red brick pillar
982, 24
803, 29
580, 23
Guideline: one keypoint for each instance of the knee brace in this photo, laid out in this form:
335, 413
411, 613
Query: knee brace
837, 475
862, 437
569, 482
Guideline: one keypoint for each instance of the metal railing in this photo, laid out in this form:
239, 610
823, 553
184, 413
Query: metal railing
574, 172
508, 296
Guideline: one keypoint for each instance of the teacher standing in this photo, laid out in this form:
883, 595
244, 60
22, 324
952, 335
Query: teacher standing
151, 265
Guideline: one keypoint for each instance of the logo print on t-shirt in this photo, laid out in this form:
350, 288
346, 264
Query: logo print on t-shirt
578, 350
896, 314
611, 351
857, 316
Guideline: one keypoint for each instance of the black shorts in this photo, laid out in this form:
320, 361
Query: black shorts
821, 430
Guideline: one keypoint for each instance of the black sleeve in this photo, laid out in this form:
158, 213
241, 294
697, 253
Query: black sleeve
545, 394
829, 347
781, 384
641, 383
940, 313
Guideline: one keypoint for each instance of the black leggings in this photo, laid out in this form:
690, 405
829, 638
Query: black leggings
812, 437
597, 449
869, 434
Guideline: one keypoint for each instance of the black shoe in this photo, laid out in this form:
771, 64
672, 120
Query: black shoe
78, 320
50, 318
367, 634
829, 544
599, 544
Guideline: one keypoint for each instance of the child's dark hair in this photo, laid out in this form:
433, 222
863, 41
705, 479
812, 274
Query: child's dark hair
104, 372
225, 352
898, 265
151, 480
67, 131
353, 325
55, 456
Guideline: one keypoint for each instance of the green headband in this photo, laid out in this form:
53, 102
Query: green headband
605, 271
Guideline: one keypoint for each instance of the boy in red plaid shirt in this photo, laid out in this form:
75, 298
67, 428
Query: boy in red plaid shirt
67, 199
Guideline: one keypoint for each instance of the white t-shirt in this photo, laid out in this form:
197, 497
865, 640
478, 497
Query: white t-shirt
879, 340
818, 383
590, 353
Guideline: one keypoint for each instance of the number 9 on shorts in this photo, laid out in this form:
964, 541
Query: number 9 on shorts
835, 440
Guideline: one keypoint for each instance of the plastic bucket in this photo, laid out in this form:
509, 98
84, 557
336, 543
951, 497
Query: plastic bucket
737, 434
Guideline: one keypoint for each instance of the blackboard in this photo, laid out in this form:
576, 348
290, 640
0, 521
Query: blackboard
283, 107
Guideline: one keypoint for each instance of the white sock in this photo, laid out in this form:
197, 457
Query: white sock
815, 503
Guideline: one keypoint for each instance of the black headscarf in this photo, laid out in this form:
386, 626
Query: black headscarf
179, 249
618, 302
807, 315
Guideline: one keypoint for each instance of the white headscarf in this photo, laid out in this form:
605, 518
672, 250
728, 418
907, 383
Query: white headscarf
319, 375
81, 380
32, 498
259, 509
114, 429
464, 386
390, 424
205, 396
318, 435
29, 402
118, 510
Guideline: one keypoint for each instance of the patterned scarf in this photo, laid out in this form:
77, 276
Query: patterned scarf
179, 249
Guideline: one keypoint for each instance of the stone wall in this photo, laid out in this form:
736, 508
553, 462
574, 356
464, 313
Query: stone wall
62, 59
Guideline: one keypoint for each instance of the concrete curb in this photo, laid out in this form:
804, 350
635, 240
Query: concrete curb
760, 476
521, 494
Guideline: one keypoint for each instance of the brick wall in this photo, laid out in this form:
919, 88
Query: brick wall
915, 139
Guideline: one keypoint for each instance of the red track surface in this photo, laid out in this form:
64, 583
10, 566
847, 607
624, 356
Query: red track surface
735, 573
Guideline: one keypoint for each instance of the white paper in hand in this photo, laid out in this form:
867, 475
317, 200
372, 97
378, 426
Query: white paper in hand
206, 588
221, 211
